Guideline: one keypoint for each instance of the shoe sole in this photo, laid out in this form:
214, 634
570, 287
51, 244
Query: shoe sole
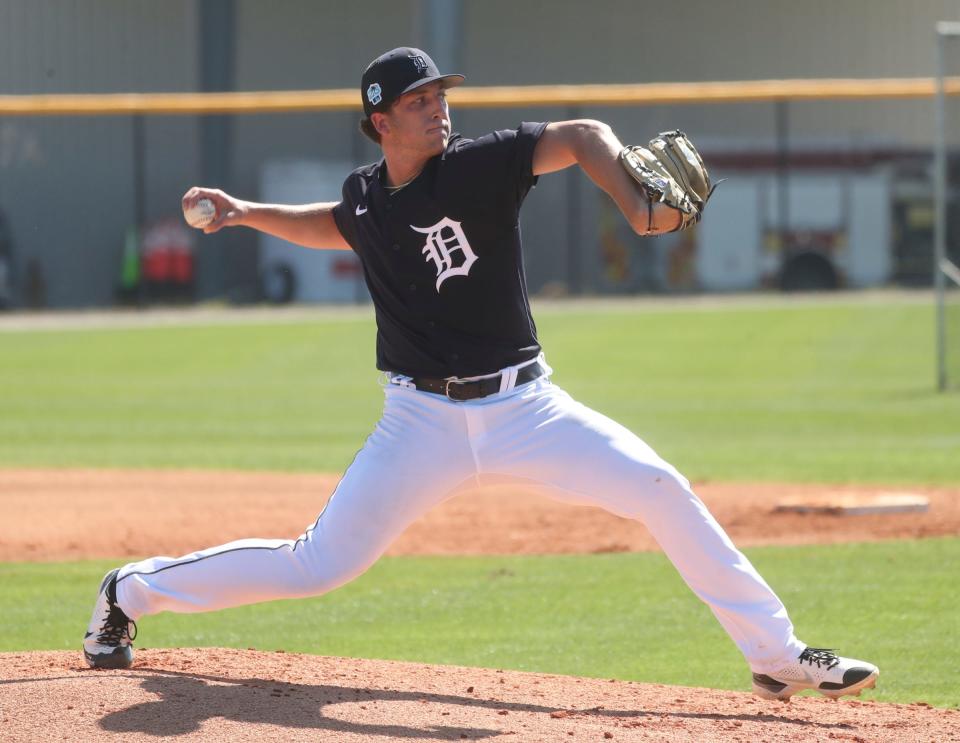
119, 659
788, 691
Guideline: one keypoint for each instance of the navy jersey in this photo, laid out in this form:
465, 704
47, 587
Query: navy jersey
442, 256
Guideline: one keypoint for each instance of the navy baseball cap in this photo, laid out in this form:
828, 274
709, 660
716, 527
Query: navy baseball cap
399, 71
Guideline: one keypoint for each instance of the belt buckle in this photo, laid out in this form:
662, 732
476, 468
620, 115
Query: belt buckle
446, 389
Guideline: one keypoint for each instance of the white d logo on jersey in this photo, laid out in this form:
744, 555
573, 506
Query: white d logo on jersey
443, 240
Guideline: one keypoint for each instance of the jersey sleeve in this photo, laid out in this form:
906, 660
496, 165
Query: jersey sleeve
343, 213
527, 136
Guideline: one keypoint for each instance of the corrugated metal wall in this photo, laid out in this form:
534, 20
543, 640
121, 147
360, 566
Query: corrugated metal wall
66, 185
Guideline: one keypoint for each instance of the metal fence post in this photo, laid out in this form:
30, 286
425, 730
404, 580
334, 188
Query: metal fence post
574, 261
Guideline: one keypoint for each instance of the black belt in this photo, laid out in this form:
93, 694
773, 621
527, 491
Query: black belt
459, 390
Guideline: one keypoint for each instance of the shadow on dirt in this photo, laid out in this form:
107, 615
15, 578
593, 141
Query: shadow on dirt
187, 700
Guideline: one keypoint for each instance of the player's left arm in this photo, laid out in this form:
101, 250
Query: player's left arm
595, 148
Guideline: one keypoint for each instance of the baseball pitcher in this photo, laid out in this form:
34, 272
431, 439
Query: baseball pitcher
468, 397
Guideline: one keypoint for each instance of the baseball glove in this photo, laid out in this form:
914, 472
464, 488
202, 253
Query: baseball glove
669, 170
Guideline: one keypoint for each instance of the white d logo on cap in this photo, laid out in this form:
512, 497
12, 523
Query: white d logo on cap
374, 94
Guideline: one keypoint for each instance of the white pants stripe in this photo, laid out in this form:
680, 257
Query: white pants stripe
426, 449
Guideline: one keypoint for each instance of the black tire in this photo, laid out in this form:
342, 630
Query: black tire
808, 272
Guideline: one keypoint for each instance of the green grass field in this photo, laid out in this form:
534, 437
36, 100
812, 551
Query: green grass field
826, 391
624, 616
829, 391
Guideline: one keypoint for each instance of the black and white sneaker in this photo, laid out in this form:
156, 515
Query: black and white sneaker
819, 669
108, 642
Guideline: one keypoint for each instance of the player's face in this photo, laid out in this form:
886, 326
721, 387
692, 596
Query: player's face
420, 120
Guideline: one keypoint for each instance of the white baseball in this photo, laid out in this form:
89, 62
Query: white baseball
200, 214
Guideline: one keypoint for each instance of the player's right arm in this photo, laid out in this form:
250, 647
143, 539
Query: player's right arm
309, 225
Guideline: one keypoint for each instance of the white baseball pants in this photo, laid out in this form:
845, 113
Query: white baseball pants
426, 449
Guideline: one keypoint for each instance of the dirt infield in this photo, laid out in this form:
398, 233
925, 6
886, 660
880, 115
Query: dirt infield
52, 515
232, 695
213, 694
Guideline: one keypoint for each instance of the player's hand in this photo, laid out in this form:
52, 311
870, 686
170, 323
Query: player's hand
230, 211
663, 219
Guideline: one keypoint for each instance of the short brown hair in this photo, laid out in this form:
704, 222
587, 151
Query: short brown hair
367, 127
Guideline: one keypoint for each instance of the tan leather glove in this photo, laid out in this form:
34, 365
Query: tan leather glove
669, 170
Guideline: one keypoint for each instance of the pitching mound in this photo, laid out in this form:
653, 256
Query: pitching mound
214, 694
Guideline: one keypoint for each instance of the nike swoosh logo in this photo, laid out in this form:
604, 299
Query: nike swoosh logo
361, 211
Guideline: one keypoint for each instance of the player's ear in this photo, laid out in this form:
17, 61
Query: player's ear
380, 123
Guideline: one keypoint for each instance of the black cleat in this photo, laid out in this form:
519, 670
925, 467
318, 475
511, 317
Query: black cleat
108, 642
819, 669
